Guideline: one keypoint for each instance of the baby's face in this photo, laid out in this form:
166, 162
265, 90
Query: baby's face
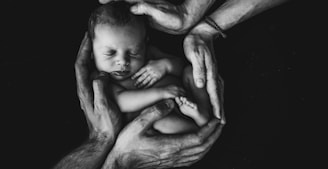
119, 50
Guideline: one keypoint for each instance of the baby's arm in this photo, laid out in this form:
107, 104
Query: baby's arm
135, 100
173, 65
158, 66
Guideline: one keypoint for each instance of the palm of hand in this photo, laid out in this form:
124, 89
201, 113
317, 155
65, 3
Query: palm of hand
198, 47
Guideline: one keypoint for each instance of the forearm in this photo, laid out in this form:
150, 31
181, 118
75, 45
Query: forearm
135, 100
233, 12
130, 160
90, 155
195, 9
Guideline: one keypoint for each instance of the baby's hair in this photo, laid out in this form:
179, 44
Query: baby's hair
115, 13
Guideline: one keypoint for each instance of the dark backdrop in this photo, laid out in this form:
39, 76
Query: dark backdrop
261, 62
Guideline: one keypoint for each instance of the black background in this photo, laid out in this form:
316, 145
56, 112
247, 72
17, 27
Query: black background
262, 62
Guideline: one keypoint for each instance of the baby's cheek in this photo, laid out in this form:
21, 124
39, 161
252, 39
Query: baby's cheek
137, 65
104, 66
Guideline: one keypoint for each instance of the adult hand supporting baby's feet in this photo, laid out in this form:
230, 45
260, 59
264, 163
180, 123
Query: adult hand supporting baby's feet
134, 148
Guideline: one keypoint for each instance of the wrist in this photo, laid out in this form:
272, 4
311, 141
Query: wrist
206, 27
194, 10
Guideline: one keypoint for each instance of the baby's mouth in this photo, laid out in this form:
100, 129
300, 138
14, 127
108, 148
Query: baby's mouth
121, 73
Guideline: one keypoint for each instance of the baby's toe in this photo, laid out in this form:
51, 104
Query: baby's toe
178, 101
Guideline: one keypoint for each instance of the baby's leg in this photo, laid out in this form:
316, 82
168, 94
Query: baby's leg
202, 109
175, 123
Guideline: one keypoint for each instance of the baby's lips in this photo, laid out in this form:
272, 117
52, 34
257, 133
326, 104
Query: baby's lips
121, 72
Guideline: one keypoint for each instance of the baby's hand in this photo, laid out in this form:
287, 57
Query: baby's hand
173, 91
151, 73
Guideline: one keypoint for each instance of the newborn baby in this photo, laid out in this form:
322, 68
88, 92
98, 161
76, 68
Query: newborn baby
139, 80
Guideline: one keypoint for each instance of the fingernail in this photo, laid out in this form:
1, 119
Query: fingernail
199, 82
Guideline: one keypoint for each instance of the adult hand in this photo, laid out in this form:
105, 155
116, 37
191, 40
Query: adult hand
135, 148
198, 48
164, 16
102, 115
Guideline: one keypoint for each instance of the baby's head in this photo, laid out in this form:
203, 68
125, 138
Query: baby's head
118, 40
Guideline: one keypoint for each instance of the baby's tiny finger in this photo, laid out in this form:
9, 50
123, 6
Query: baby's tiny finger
141, 79
145, 82
152, 81
140, 72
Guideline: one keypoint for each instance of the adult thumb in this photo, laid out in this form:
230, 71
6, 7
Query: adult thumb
143, 8
199, 76
151, 114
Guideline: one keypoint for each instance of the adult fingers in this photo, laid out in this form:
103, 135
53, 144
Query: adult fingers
192, 52
212, 85
145, 8
220, 91
150, 115
186, 162
194, 154
107, 116
199, 71
163, 15
84, 53
82, 75
204, 147
188, 149
188, 140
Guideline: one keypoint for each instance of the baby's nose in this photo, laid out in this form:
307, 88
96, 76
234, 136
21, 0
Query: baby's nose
122, 62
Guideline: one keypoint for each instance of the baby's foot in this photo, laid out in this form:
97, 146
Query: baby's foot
190, 109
